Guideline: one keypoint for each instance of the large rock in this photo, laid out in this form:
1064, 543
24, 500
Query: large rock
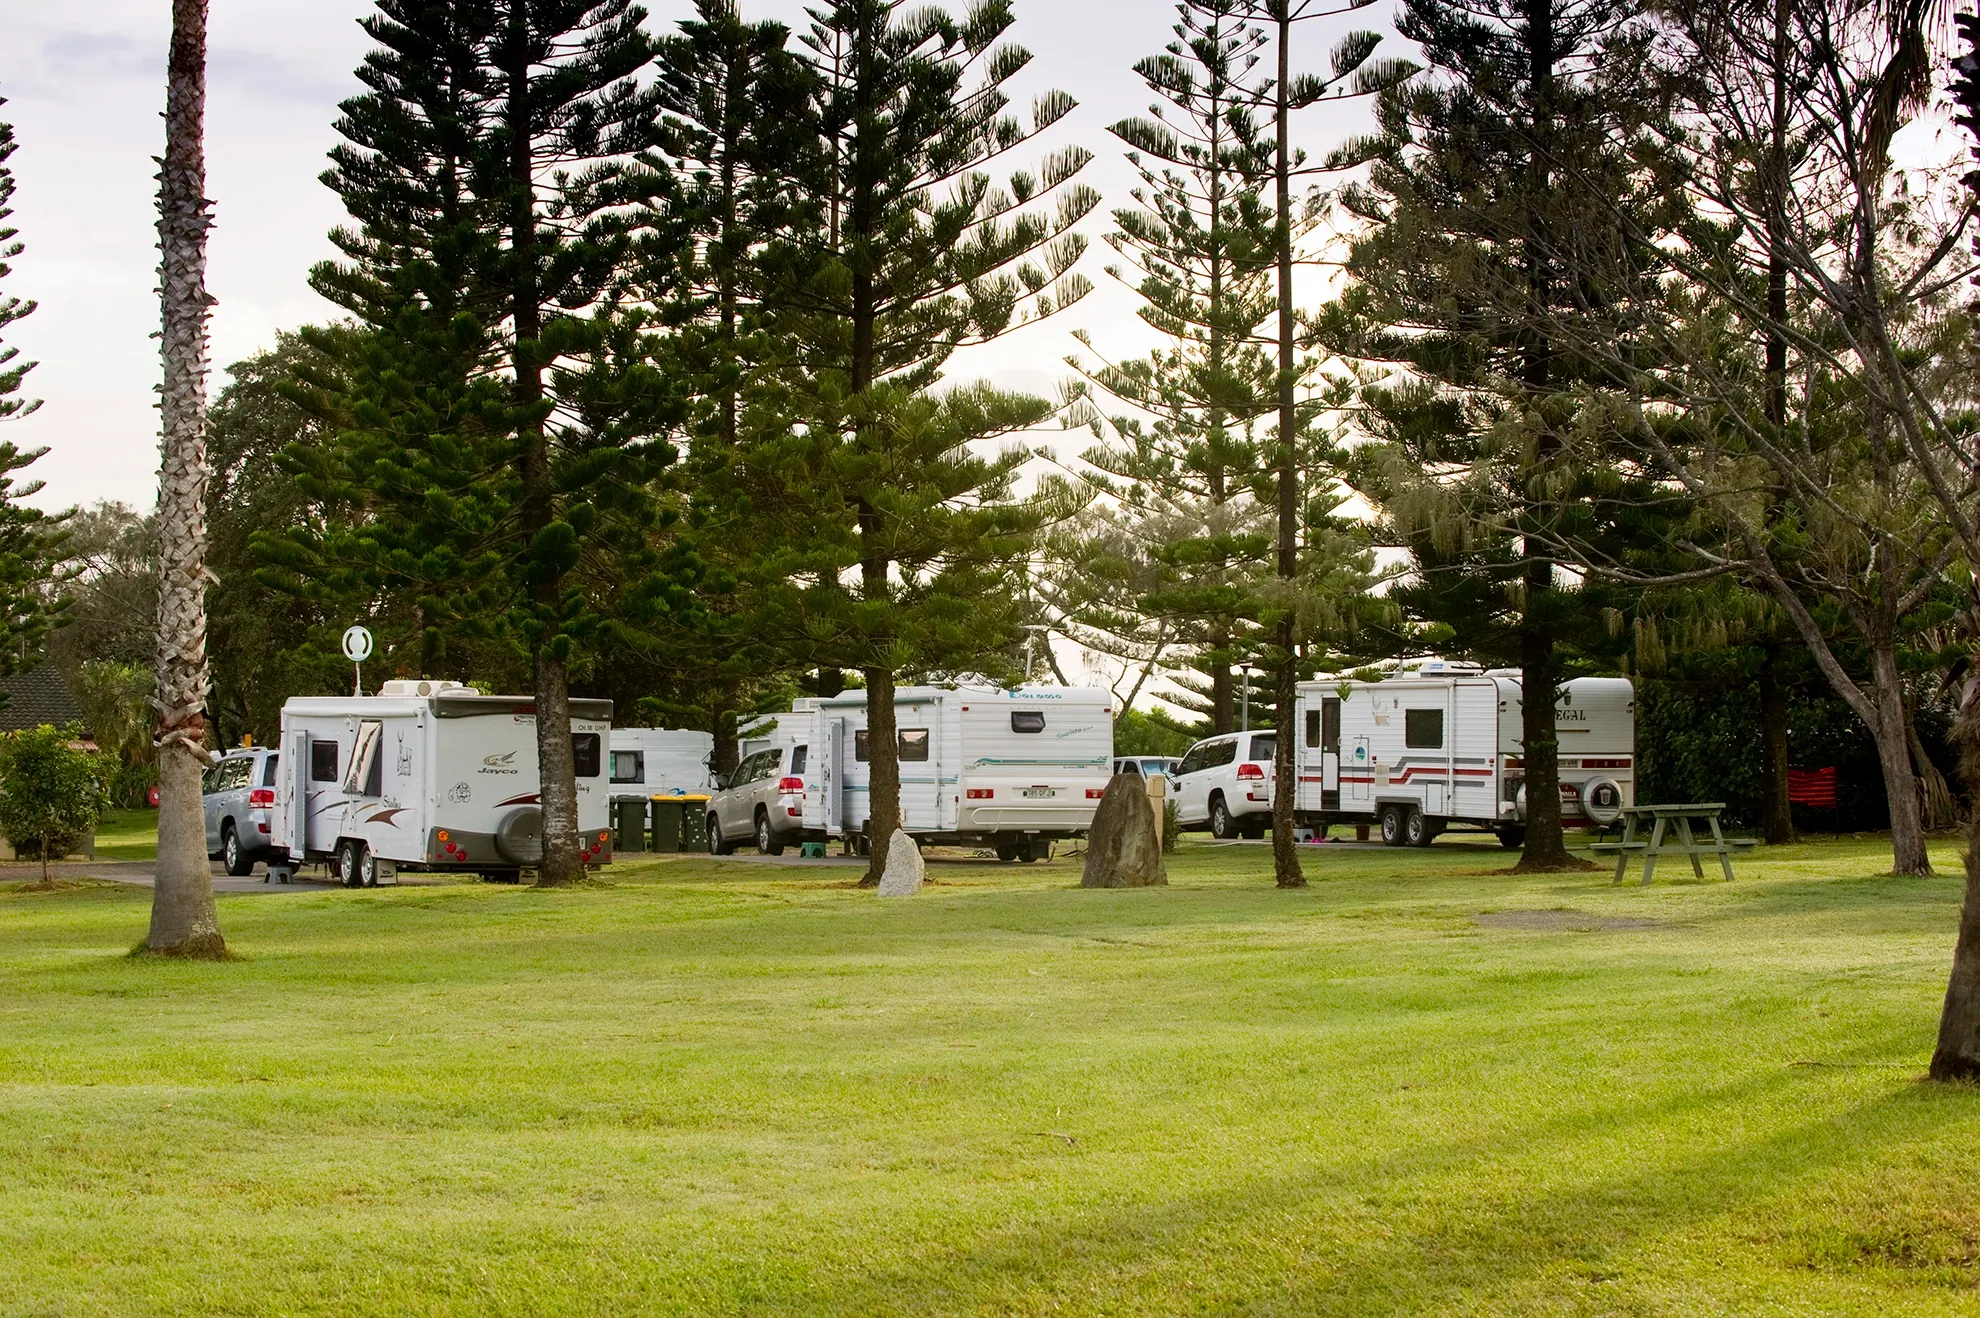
1123, 850
902, 877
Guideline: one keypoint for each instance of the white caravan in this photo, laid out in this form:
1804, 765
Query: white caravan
660, 762
980, 766
427, 776
1441, 744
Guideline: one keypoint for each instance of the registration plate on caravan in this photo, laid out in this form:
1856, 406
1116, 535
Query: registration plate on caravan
1040, 793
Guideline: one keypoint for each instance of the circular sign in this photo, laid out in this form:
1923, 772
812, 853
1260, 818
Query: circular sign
357, 644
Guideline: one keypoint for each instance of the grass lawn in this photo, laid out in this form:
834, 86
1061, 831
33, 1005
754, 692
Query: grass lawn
127, 835
1423, 1086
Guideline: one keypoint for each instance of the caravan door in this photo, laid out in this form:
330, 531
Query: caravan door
295, 812
1330, 753
832, 775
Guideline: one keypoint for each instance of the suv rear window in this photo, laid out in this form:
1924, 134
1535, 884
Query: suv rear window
268, 770
1264, 748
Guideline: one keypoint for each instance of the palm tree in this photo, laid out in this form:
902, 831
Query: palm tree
183, 919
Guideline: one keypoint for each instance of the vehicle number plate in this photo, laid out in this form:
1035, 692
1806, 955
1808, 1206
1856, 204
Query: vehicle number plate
1040, 793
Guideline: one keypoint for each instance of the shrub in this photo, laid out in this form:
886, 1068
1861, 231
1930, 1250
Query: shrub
51, 791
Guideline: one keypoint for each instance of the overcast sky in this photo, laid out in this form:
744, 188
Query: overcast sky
84, 86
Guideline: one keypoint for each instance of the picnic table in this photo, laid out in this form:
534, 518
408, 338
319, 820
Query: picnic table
1685, 843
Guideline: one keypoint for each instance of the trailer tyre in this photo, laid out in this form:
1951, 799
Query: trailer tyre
766, 837
350, 862
1007, 851
1221, 823
1512, 838
1418, 831
519, 837
1393, 820
234, 855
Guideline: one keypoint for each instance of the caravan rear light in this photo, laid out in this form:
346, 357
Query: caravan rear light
261, 796
1250, 770
790, 784
1095, 793
981, 793
1605, 764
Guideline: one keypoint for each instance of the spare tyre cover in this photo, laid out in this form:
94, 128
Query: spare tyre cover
519, 837
1602, 800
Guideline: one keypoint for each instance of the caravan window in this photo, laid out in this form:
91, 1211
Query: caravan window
1423, 729
365, 768
587, 751
628, 766
1027, 720
1313, 727
323, 761
914, 744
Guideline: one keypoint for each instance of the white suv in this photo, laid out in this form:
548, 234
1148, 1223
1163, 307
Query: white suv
1225, 784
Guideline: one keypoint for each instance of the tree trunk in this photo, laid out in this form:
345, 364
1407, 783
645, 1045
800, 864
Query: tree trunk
1223, 699
555, 765
184, 921
1776, 811
1957, 1056
1546, 849
557, 777
727, 753
883, 765
1285, 851
1908, 855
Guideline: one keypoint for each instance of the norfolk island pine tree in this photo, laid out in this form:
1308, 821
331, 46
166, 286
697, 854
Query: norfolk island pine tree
900, 541
507, 415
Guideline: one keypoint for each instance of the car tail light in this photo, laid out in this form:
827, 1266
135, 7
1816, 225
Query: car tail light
1249, 770
261, 796
790, 784
1095, 793
981, 793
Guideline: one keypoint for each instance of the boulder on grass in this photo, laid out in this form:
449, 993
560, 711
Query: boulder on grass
902, 877
1123, 850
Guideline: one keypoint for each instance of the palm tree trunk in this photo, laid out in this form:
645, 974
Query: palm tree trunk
184, 921
1285, 852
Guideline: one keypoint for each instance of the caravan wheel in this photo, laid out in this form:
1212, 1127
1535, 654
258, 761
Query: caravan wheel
1392, 825
350, 862
1418, 831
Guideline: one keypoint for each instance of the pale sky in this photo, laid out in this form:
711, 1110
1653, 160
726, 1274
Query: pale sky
84, 90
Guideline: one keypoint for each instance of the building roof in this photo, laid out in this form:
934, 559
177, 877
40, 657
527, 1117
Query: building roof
36, 697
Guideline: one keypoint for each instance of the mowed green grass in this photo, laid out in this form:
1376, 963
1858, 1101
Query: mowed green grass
127, 835
734, 1089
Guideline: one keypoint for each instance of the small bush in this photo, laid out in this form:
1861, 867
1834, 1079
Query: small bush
1171, 825
51, 791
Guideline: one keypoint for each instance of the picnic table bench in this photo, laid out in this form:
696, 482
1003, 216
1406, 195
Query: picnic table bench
1684, 843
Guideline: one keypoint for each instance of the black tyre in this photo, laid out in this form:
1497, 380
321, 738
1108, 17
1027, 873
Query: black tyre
1032, 849
1007, 851
717, 844
767, 843
1393, 820
1255, 829
1418, 831
1221, 823
350, 862
232, 853
1512, 838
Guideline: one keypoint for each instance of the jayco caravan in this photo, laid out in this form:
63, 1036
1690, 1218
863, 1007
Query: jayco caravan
980, 766
1441, 744
427, 776
660, 761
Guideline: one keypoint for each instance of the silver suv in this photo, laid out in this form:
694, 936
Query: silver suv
763, 799
239, 796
